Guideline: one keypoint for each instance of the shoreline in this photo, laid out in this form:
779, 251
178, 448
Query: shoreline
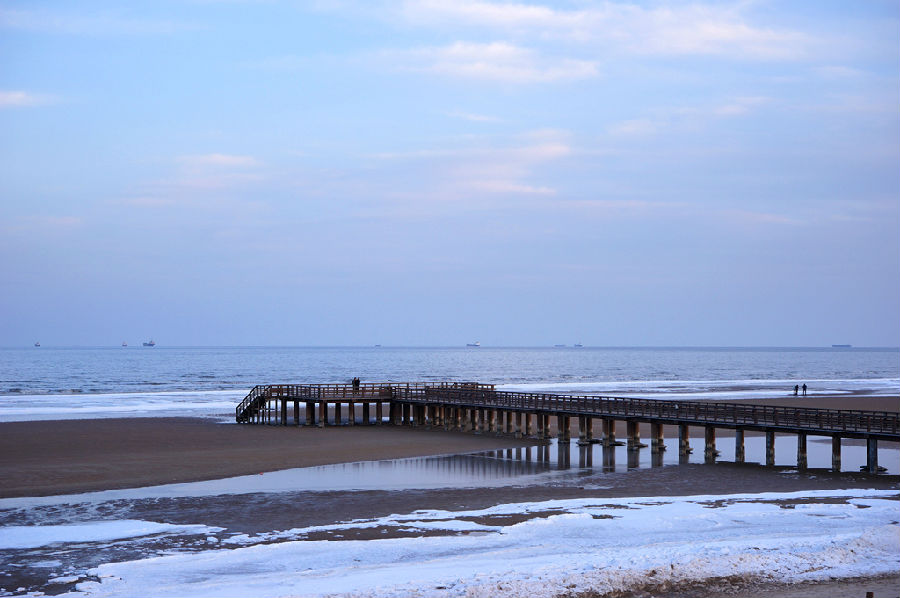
46, 458
53, 457
60, 457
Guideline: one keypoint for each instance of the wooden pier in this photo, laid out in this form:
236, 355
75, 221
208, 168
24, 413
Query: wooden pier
480, 408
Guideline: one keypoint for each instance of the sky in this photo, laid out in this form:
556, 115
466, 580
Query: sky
342, 172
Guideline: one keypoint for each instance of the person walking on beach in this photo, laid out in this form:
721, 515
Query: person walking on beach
796, 389
804, 389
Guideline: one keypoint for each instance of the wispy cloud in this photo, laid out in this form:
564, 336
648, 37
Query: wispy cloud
740, 106
495, 61
216, 171
144, 202
663, 119
20, 99
473, 117
637, 126
751, 217
509, 169
667, 30
77, 23
219, 161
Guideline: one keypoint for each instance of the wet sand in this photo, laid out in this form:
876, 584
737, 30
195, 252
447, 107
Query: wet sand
68, 456
62, 457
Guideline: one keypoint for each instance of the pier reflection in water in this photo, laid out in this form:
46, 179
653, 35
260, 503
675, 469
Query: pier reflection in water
619, 458
529, 465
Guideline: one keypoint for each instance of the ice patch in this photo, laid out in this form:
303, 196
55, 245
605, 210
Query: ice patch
34, 536
573, 546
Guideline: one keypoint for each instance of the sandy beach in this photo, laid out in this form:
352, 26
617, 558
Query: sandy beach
39, 458
69, 456
45, 458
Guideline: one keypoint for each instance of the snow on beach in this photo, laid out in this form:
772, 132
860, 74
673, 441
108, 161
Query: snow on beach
547, 548
34, 536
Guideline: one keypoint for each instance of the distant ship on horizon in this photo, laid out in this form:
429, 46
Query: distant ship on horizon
152, 343
841, 346
475, 344
124, 344
37, 343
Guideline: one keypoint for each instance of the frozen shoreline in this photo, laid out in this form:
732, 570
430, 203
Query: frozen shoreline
548, 548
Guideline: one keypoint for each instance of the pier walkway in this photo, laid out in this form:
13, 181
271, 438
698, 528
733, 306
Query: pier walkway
480, 408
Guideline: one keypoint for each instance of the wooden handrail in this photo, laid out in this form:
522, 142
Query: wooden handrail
473, 394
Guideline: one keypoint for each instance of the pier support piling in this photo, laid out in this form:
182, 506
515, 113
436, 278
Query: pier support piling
836, 454
739, 445
710, 453
657, 438
684, 439
562, 428
770, 448
609, 432
872, 455
801, 451
633, 433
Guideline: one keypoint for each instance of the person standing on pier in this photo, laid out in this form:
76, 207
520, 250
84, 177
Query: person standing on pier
796, 389
804, 389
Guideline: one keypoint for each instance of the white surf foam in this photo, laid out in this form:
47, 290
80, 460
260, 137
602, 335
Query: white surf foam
137, 404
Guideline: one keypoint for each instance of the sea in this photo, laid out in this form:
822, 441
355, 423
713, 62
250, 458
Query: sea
77, 382
550, 520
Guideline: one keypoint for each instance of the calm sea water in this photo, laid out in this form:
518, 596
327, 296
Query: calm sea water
47, 382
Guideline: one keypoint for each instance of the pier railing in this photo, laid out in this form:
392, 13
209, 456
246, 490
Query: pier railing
476, 395
694, 412
364, 391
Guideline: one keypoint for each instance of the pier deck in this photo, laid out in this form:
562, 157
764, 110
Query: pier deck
481, 408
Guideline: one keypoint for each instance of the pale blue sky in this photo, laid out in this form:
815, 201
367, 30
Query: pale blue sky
439, 172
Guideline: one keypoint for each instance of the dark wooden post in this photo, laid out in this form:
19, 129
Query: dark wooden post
657, 438
801, 450
836, 453
770, 448
710, 453
633, 432
872, 455
609, 432
562, 428
684, 439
